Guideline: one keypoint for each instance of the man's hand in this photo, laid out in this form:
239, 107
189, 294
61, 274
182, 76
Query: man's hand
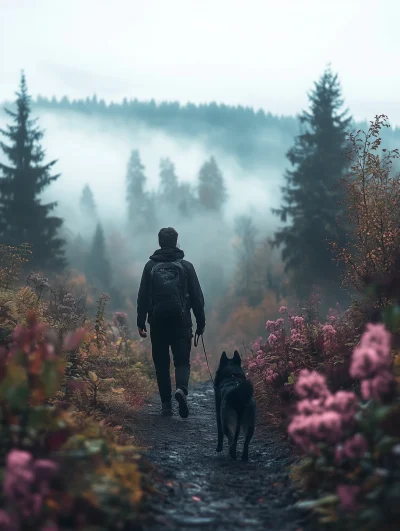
142, 332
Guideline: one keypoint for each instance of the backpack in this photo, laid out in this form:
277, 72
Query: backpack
168, 292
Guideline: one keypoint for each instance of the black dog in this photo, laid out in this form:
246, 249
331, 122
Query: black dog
235, 405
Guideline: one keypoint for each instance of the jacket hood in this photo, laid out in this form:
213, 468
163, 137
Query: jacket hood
167, 254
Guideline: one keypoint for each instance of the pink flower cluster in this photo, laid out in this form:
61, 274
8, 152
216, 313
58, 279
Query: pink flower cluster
275, 326
371, 362
328, 333
348, 496
270, 375
26, 485
257, 344
354, 448
321, 415
311, 384
297, 321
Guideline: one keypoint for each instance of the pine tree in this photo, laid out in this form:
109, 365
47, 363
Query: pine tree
212, 191
76, 250
168, 182
87, 203
248, 284
23, 217
312, 195
98, 269
187, 201
135, 193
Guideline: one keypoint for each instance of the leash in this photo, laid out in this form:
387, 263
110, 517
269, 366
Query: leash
196, 342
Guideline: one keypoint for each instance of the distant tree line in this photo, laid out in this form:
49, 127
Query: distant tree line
254, 137
247, 134
312, 210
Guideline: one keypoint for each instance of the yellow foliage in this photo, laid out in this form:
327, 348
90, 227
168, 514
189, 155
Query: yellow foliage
26, 299
246, 323
125, 477
14, 307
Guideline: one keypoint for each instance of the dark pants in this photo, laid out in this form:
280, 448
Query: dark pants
180, 341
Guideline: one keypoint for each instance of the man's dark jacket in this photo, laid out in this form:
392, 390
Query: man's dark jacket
195, 299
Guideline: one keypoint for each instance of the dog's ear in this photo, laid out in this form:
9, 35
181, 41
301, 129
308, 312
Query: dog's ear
236, 358
224, 358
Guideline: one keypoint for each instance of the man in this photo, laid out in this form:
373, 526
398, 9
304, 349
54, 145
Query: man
169, 289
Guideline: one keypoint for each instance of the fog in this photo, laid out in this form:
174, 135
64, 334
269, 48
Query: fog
95, 151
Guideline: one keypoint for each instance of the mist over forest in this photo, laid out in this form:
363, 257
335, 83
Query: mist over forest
224, 229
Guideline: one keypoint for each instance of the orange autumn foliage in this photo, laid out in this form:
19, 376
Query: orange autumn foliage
244, 322
373, 205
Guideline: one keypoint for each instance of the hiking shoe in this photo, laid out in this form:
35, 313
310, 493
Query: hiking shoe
166, 409
182, 402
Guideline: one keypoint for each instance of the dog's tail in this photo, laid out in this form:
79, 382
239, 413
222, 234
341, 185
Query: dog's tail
240, 395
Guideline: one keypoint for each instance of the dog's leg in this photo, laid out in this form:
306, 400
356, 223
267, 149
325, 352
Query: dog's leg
230, 425
248, 423
235, 440
220, 444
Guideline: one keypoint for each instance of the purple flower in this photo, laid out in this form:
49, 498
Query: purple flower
348, 495
311, 384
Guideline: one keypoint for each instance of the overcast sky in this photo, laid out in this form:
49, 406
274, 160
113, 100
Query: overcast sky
263, 53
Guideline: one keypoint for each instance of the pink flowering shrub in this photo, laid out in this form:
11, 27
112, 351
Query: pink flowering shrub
26, 486
295, 343
351, 442
59, 470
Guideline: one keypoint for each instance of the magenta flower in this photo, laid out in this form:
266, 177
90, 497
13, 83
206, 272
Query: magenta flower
297, 321
311, 385
328, 330
272, 340
328, 427
18, 459
282, 309
377, 387
378, 337
6, 522
26, 482
257, 344
310, 407
300, 430
348, 496
355, 447
343, 402
365, 362
373, 353
270, 325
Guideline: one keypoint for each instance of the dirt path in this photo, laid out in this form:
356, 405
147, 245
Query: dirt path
201, 489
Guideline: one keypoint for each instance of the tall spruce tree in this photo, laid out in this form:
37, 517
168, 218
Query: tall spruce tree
137, 200
87, 203
23, 216
187, 201
211, 189
249, 283
97, 267
168, 182
312, 196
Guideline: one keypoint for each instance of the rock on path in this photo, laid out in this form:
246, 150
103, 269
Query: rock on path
200, 489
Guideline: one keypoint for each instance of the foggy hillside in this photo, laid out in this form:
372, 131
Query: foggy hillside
92, 143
